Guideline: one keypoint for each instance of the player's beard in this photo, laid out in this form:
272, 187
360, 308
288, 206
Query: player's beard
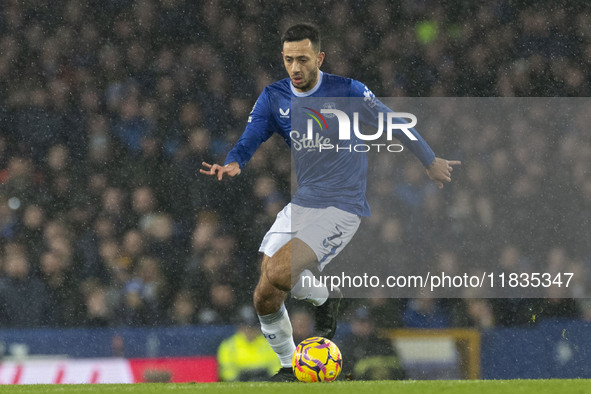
312, 79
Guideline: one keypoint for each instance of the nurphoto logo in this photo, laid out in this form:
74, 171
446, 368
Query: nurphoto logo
394, 121
345, 124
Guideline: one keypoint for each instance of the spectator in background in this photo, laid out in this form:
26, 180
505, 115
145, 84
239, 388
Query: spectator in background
130, 128
87, 248
8, 220
183, 311
23, 298
389, 310
188, 161
144, 205
132, 248
19, 180
557, 306
114, 207
151, 168
246, 355
161, 238
62, 293
367, 356
97, 310
37, 125
207, 228
117, 273
222, 304
425, 313
31, 233
265, 190
302, 323
208, 263
189, 119
480, 313
101, 151
145, 295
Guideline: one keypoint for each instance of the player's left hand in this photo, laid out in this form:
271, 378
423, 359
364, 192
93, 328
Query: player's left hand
440, 170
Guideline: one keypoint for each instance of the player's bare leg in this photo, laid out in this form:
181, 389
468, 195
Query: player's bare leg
278, 275
281, 272
267, 297
293, 259
284, 268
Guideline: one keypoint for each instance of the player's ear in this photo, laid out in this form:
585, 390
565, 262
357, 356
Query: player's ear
320, 58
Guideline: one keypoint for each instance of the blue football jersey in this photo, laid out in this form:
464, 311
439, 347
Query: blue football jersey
325, 177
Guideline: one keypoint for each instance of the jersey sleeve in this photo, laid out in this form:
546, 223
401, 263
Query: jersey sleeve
369, 114
260, 128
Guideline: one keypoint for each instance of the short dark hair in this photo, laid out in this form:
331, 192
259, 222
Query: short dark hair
302, 31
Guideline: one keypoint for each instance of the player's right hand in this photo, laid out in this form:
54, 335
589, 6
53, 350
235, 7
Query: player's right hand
231, 169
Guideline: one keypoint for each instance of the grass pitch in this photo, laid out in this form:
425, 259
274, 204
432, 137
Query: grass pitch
543, 386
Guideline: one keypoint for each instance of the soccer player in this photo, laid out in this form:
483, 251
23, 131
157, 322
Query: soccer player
325, 217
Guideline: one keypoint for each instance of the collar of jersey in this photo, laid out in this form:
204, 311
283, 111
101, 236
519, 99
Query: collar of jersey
309, 92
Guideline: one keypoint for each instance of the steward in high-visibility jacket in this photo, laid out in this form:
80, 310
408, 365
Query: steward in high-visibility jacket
246, 356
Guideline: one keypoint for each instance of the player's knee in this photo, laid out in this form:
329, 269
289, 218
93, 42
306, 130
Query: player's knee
266, 300
278, 276
258, 300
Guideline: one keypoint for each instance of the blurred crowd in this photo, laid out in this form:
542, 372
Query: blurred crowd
109, 107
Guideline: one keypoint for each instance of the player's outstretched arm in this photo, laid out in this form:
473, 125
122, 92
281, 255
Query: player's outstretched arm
230, 169
440, 170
